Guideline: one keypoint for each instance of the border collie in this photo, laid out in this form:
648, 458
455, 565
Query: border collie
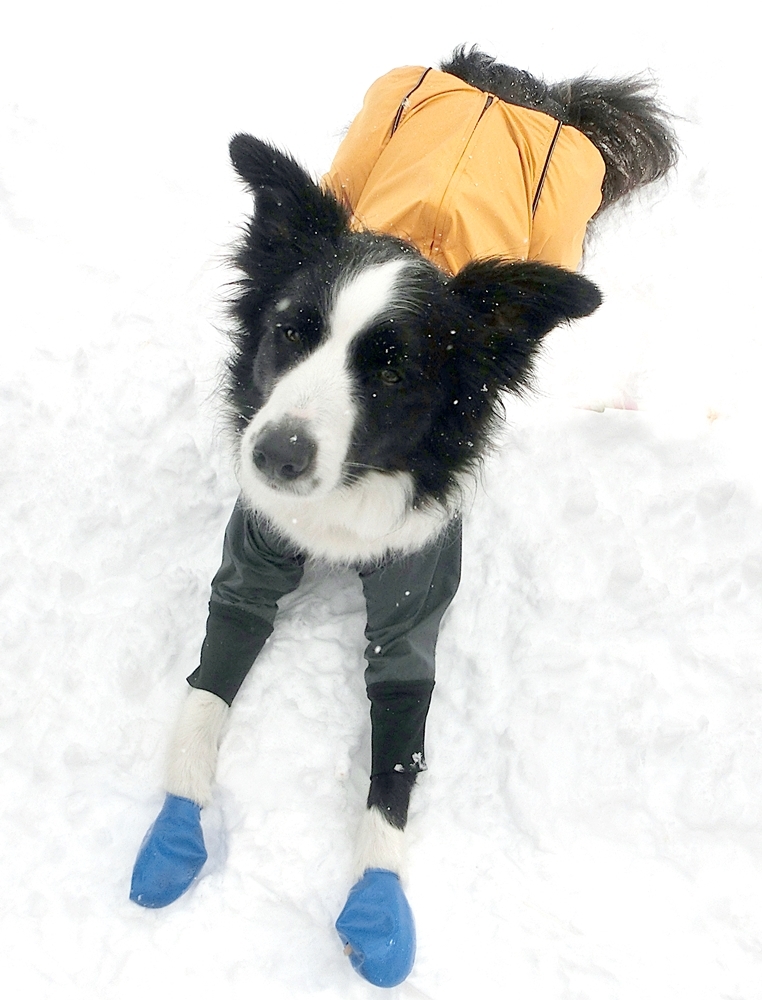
379, 317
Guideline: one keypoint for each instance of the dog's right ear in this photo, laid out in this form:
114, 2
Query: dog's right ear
293, 217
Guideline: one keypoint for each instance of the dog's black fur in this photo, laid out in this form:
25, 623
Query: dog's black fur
364, 386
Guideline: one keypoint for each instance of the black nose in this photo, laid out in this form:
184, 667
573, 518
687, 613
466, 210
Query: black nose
284, 453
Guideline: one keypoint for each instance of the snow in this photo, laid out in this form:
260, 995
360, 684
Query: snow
590, 826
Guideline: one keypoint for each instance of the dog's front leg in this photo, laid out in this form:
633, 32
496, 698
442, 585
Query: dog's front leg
192, 756
406, 598
173, 851
380, 839
257, 569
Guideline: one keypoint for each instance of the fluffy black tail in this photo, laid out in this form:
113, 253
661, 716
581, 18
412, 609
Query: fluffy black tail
622, 118
625, 121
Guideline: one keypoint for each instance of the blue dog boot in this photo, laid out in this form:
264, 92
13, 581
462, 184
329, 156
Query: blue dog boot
171, 855
377, 929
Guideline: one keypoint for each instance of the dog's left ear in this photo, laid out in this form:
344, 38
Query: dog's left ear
512, 306
524, 298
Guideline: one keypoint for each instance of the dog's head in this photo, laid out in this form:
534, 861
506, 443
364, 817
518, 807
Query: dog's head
355, 356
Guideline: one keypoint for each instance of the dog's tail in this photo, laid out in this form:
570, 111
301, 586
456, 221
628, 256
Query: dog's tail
622, 118
625, 122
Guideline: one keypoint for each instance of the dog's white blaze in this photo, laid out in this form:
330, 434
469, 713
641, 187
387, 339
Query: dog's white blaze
319, 390
363, 298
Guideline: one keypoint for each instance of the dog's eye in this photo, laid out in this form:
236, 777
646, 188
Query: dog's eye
389, 376
292, 335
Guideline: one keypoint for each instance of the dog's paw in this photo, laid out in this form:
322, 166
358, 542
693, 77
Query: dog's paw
377, 929
171, 855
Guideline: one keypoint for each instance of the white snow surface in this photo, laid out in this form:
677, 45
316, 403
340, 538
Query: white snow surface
590, 827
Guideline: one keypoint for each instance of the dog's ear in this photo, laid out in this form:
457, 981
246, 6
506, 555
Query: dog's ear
512, 305
293, 217
524, 298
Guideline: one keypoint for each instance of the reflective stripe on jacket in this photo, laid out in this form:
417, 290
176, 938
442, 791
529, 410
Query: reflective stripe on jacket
464, 175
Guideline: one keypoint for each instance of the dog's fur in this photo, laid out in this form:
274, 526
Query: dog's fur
365, 384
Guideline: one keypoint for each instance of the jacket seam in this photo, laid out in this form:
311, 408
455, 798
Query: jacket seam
546, 165
490, 98
405, 103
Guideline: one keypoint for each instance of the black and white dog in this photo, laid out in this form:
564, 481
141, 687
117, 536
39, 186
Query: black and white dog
364, 386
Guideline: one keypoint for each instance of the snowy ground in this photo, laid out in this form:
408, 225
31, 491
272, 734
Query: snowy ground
591, 824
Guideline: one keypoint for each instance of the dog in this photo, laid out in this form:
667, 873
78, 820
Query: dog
379, 318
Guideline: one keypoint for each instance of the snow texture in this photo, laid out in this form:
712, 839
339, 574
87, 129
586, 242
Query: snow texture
590, 826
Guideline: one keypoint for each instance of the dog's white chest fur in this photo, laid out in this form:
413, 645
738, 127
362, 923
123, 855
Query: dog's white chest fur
353, 524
